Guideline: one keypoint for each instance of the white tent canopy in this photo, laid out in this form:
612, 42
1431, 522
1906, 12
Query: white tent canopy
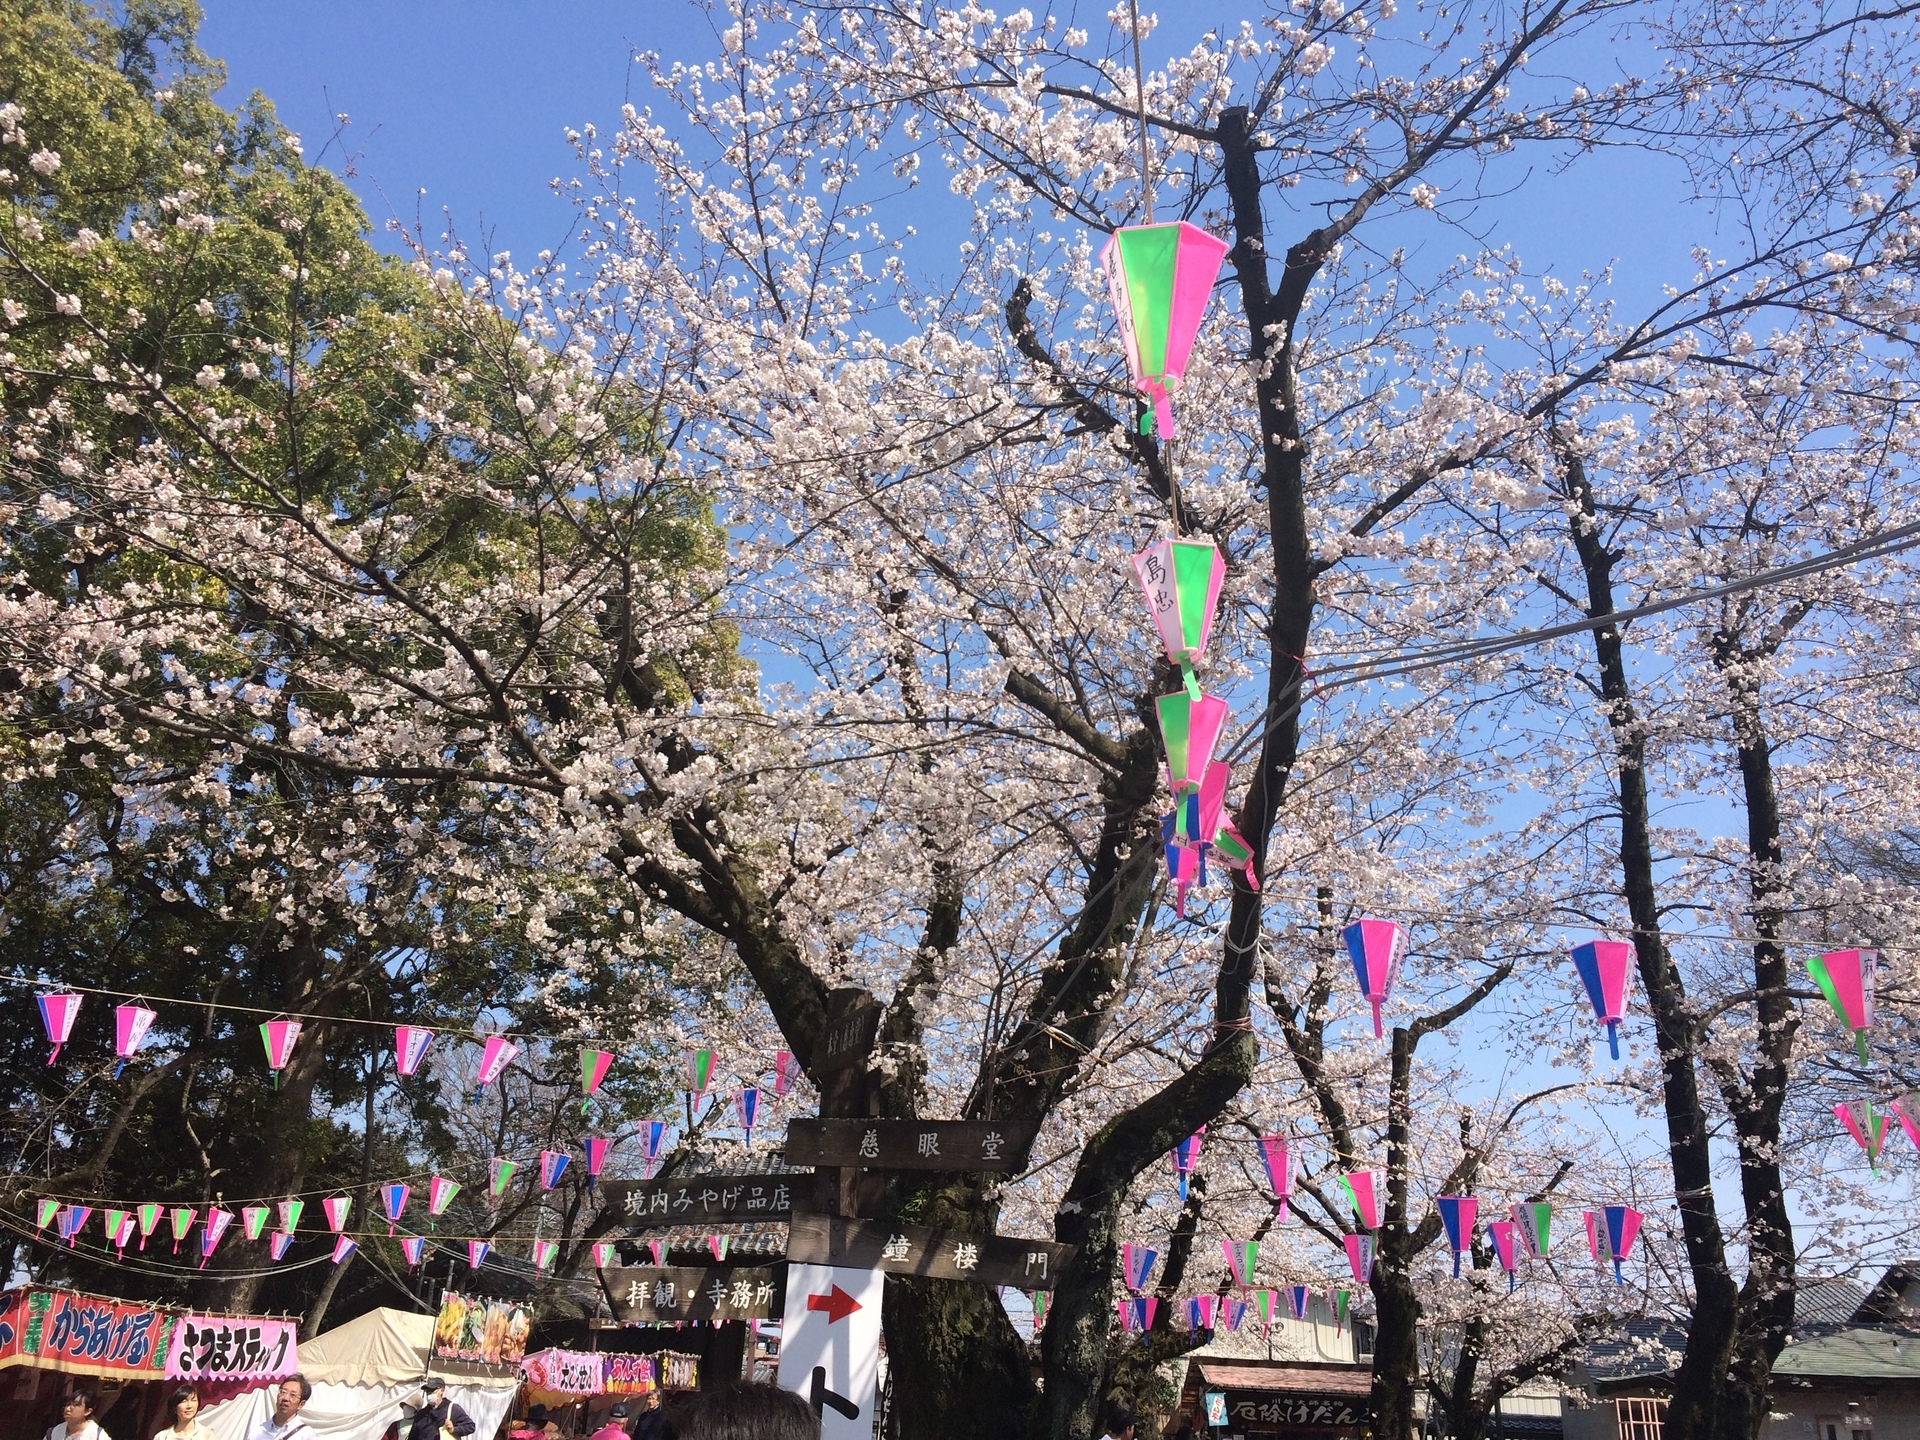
366, 1375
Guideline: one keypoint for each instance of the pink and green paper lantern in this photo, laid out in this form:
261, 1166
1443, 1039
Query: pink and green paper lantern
543, 1253
130, 1026
717, 1247
110, 1221
338, 1207
1160, 278
1533, 1220
149, 1214
1376, 948
500, 1175
57, 1014
594, 1065
253, 1220
279, 1037
1605, 968
1181, 580
1342, 1301
658, 1249
1867, 1126
699, 1073
1367, 1193
1189, 730
1266, 1304
1846, 978
602, 1254
44, 1211
181, 1218
440, 1193
1241, 1258
290, 1212
122, 1234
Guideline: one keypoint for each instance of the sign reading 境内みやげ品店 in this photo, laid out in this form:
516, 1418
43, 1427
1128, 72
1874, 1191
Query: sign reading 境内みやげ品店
703, 1197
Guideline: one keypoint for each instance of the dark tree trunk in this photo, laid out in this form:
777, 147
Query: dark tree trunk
1702, 1377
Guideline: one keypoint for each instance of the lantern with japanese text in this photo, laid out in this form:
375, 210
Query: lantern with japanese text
1846, 977
57, 1014
130, 1026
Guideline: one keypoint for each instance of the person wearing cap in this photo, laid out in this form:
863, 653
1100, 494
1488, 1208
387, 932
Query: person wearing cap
616, 1426
437, 1415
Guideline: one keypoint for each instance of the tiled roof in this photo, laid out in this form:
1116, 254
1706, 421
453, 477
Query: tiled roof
757, 1239
1856, 1354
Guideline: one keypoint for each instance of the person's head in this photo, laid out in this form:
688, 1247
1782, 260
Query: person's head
292, 1393
76, 1407
183, 1404
618, 1412
1119, 1419
745, 1412
653, 1400
434, 1390
536, 1415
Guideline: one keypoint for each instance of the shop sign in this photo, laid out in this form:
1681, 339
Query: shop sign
570, 1372
1328, 1411
84, 1334
481, 1332
217, 1347
629, 1375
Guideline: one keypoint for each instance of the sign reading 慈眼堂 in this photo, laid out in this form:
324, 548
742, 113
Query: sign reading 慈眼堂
908, 1144
898, 1249
702, 1197
658, 1294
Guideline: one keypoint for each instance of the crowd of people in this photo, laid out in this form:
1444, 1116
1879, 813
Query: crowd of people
743, 1412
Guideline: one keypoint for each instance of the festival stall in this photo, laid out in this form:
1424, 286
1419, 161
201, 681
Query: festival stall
366, 1374
135, 1353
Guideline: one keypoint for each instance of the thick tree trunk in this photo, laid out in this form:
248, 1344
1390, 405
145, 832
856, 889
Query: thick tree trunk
1756, 1096
1710, 1337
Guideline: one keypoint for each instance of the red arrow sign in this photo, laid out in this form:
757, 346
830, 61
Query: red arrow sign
838, 1305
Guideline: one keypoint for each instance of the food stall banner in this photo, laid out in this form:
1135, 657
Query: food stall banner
219, 1347
629, 1375
570, 1372
484, 1332
84, 1334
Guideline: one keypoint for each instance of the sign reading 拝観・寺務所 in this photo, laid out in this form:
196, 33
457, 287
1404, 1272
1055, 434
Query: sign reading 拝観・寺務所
655, 1294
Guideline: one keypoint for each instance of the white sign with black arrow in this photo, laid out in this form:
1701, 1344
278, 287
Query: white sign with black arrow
830, 1345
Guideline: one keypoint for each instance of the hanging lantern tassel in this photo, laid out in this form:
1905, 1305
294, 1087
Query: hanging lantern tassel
1160, 278
130, 1026
57, 1013
1376, 948
1457, 1214
1846, 978
1605, 967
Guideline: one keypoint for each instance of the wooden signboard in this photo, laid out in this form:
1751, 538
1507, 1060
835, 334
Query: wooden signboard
958, 1145
853, 1019
921, 1250
702, 1197
654, 1295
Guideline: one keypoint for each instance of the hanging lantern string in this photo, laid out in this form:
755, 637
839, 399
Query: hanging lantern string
442, 1029
1140, 109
